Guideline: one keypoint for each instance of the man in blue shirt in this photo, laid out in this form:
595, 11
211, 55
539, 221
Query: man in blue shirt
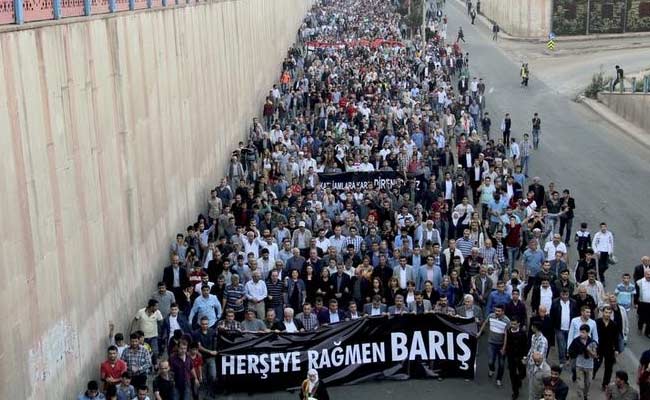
496, 207
401, 238
497, 297
206, 305
533, 258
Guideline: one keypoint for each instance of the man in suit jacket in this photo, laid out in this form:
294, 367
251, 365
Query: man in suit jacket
546, 290
341, 283
475, 173
289, 323
562, 332
175, 276
466, 160
420, 305
470, 310
375, 308
178, 320
399, 308
639, 270
404, 273
429, 272
332, 314
482, 286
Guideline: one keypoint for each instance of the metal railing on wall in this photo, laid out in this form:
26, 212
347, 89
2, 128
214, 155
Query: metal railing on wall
20, 11
632, 85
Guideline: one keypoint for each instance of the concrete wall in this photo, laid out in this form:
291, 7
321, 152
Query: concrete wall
113, 130
523, 18
634, 107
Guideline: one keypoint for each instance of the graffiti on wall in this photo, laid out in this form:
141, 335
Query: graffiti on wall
48, 357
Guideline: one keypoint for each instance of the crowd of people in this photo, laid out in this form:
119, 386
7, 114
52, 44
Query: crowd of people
277, 251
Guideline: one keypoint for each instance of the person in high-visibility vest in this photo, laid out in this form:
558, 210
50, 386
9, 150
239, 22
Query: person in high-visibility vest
524, 74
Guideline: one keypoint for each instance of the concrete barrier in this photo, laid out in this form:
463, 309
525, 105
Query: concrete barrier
634, 107
527, 19
113, 129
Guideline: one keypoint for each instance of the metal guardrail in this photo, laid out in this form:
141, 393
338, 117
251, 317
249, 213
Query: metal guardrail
632, 85
18, 12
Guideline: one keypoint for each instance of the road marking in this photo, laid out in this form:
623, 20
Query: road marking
491, 90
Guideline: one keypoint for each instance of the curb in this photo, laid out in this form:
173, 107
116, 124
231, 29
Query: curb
632, 131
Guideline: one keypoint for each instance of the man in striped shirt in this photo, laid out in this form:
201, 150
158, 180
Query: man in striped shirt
235, 296
498, 324
274, 288
465, 244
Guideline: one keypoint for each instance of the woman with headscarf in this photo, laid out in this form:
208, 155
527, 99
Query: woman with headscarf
312, 388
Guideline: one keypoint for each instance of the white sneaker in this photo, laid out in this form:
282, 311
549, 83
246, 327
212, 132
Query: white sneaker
499, 384
490, 373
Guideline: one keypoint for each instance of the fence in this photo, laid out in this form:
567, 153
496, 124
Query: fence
21, 11
632, 85
584, 17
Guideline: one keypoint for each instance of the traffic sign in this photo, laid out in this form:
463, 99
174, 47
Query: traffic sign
551, 36
550, 45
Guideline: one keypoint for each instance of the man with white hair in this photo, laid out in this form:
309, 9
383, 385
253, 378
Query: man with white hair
289, 324
470, 310
538, 369
427, 233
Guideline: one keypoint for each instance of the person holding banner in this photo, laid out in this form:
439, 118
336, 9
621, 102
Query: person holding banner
312, 388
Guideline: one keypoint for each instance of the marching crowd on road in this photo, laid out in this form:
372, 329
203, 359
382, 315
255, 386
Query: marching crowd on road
277, 250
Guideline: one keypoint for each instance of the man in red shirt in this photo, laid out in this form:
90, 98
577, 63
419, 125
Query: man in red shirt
112, 369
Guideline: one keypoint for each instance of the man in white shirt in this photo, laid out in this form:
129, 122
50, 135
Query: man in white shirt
603, 245
553, 246
256, 294
642, 300
514, 151
251, 244
322, 242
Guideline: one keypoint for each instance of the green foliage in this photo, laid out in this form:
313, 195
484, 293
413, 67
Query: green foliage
598, 84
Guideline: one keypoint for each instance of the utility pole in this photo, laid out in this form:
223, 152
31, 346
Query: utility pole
588, 14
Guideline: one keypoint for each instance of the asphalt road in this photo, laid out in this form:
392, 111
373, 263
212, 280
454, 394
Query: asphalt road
607, 172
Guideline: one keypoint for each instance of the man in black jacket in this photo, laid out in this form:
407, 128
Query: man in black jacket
556, 384
566, 214
639, 270
516, 351
608, 342
175, 276
563, 310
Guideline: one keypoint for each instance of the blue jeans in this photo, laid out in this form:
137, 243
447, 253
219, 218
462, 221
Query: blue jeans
183, 393
524, 164
535, 138
210, 365
561, 339
512, 257
494, 351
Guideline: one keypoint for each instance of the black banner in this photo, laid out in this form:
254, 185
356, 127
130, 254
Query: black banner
360, 180
396, 347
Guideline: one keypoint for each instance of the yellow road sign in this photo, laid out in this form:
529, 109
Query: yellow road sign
550, 44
